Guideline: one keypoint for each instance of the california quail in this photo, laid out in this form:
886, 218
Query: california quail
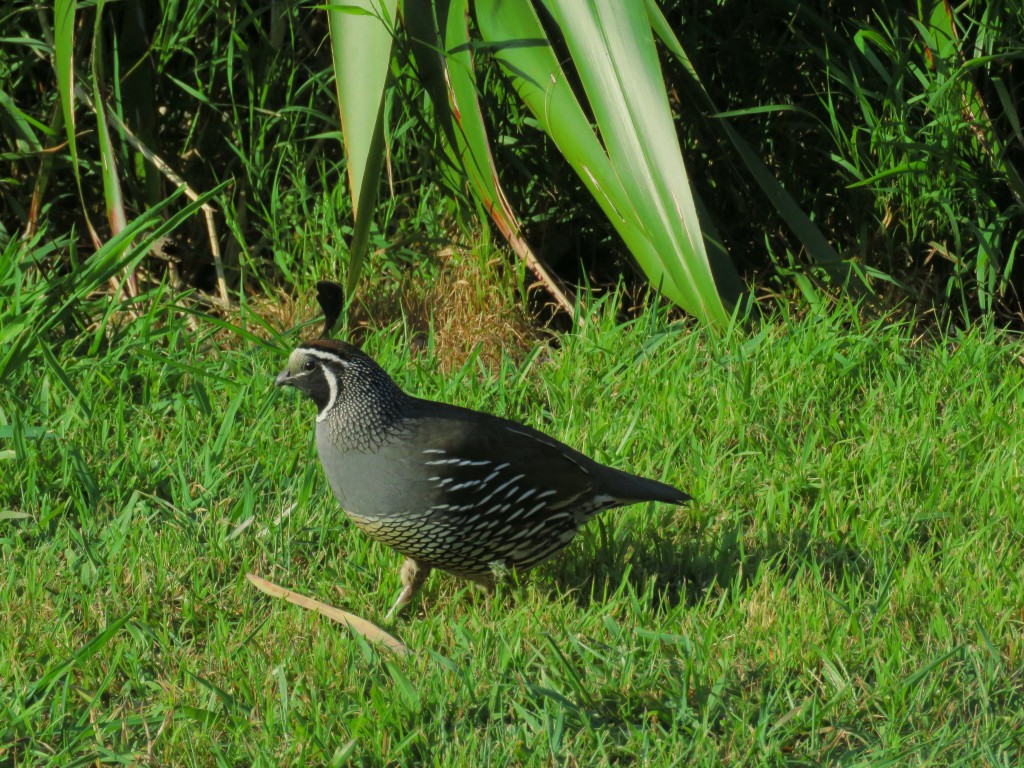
448, 487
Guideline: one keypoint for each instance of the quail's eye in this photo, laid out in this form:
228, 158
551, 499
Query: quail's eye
309, 365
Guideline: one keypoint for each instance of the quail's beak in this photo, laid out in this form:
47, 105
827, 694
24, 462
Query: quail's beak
284, 379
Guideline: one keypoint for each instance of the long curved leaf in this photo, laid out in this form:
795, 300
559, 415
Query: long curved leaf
801, 225
444, 57
653, 212
361, 41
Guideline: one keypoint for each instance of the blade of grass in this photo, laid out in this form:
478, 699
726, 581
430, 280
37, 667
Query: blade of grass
63, 62
51, 302
93, 646
64, 12
112, 196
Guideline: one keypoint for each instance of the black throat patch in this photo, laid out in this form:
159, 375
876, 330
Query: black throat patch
317, 385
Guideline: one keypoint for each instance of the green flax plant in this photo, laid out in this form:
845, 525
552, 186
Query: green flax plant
590, 76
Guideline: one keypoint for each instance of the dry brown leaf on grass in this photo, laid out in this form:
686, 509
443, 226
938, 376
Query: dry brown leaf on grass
371, 632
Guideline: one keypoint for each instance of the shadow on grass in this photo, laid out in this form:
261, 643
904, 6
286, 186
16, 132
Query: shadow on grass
684, 568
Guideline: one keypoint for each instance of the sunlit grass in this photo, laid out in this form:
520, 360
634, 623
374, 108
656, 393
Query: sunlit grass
846, 589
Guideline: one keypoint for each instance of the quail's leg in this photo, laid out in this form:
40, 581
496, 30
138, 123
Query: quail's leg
414, 573
486, 582
500, 573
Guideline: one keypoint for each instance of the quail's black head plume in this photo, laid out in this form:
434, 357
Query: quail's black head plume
449, 488
331, 297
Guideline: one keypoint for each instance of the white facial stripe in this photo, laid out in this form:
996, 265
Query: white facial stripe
320, 354
332, 385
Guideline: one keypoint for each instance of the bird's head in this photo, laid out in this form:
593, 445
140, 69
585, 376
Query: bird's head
334, 374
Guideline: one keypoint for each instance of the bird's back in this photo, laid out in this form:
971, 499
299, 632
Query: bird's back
462, 489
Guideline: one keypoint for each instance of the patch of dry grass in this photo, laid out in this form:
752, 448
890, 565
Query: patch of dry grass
474, 302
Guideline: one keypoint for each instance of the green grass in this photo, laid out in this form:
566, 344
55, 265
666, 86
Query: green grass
847, 589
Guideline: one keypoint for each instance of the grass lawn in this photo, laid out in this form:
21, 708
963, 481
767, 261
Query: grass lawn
847, 588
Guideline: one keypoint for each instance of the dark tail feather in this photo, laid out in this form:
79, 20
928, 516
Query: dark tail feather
631, 489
